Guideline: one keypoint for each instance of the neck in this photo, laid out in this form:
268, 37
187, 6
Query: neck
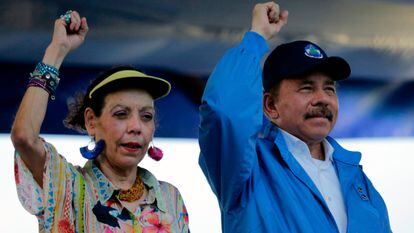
121, 178
316, 149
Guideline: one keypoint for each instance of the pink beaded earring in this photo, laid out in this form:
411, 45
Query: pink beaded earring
155, 153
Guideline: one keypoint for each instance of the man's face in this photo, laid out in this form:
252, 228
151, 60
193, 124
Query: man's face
308, 107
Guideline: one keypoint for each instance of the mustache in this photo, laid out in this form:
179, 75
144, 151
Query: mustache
320, 111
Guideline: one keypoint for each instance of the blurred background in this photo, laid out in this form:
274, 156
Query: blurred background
182, 41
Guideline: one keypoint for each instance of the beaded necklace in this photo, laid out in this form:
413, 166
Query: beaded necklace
134, 193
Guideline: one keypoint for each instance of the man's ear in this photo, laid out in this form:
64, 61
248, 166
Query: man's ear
269, 107
90, 121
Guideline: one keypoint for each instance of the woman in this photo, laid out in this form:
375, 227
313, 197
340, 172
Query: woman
110, 193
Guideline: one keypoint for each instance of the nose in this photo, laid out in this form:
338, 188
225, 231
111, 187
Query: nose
134, 125
320, 97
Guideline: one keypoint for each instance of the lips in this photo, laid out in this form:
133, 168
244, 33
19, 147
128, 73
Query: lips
131, 146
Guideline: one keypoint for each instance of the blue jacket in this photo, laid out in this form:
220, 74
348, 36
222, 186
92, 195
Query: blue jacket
259, 185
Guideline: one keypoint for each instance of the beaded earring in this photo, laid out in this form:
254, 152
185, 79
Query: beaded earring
155, 153
93, 149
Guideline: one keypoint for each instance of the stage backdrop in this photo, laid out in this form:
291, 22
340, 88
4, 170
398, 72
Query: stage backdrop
368, 107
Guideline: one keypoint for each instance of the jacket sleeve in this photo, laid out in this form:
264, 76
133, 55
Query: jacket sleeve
231, 118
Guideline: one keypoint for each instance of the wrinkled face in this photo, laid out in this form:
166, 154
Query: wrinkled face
127, 126
307, 108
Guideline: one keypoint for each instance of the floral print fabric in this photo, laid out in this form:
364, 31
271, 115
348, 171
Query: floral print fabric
75, 199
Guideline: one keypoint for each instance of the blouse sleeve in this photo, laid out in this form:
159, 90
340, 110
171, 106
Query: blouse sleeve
47, 202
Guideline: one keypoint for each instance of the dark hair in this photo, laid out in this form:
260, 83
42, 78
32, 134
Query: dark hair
274, 90
75, 119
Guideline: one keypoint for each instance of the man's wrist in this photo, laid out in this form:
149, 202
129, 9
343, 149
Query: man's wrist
260, 33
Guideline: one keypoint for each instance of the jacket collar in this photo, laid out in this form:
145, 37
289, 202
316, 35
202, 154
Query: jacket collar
343, 155
347, 166
346, 162
273, 133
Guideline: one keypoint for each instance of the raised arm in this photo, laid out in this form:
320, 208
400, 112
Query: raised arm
231, 111
32, 110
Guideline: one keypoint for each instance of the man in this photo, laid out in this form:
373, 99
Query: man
291, 176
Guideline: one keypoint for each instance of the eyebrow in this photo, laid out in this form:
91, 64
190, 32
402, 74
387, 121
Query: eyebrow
124, 106
147, 108
327, 82
330, 82
306, 81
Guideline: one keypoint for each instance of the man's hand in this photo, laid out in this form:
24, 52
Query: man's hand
268, 20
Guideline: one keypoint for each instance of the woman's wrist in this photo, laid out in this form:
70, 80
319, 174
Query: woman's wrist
54, 55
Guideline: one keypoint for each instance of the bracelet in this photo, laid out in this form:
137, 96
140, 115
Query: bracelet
42, 68
45, 77
47, 82
35, 82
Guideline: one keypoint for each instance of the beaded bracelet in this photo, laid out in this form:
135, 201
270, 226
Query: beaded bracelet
45, 77
43, 68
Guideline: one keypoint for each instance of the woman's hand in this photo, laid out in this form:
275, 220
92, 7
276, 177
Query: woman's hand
65, 38
70, 37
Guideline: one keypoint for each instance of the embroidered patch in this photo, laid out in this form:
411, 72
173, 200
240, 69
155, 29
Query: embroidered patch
313, 52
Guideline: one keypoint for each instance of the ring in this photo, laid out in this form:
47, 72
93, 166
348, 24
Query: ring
67, 16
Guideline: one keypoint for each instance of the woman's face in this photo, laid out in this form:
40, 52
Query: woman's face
127, 127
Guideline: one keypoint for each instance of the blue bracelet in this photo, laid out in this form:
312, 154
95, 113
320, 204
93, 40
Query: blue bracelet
43, 68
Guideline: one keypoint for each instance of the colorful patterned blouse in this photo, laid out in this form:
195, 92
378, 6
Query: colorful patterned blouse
75, 199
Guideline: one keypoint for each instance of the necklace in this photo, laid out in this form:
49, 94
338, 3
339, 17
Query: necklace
132, 194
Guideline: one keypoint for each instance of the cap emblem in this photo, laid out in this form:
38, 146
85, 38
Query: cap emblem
313, 52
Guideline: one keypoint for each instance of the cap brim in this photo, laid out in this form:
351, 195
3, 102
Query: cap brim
156, 87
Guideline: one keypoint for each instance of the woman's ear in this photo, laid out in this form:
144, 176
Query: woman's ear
269, 107
90, 121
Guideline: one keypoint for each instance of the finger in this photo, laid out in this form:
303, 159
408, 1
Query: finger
272, 6
60, 25
273, 13
283, 18
84, 28
271, 10
61, 20
282, 21
76, 19
72, 24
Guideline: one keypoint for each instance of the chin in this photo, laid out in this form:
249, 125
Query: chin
319, 135
130, 161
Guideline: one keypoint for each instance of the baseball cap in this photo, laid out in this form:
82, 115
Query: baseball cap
298, 58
